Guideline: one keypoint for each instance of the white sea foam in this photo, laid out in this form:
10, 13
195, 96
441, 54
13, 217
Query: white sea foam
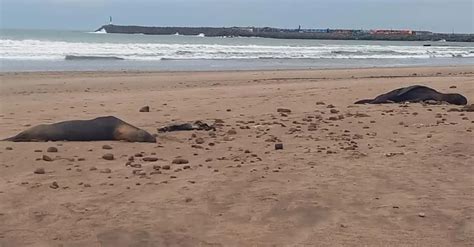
57, 50
100, 31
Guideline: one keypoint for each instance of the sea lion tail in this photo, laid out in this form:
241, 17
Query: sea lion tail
364, 101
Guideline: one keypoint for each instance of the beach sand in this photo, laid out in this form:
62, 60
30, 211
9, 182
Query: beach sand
352, 175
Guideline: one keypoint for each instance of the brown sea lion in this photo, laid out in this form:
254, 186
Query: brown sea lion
415, 93
98, 129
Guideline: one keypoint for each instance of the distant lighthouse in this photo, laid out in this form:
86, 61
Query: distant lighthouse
110, 20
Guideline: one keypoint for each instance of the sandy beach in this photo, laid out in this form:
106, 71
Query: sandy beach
348, 175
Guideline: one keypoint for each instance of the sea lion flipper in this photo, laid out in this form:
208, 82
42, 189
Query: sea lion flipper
364, 101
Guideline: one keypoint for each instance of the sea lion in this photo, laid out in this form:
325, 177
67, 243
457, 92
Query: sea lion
415, 93
98, 129
197, 125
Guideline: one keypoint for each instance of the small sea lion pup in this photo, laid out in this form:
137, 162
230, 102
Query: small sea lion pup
415, 93
98, 129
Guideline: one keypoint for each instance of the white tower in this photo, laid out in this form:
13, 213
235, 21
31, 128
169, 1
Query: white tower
110, 20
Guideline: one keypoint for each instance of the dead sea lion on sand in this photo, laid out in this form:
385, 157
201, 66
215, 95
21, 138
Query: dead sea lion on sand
415, 93
197, 125
98, 129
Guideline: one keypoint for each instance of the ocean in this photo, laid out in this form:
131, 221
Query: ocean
46, 50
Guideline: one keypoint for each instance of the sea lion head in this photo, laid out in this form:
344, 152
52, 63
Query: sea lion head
130, 133
143, 136
455, 98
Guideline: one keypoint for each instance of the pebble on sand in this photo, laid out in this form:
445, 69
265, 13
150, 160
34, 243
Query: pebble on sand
145, 109
54, 185
108, 157
199, 141
8, 148
52, 150
422, 215
39, 171
47, 158
106, 170
278, 146
283, 110
180, 161
232, 132
108, 147
150, 159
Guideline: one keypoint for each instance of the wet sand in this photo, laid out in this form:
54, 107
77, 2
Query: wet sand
352, 175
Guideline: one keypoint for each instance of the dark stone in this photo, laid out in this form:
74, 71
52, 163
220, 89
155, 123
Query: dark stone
278, 146
145, 109
180, 161
108, 157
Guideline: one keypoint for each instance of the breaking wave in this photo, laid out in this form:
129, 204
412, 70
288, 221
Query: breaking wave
58, 50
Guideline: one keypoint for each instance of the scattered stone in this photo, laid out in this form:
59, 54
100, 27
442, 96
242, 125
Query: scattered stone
283, 110
188, 199
54, 185
453, 86
278, 146
47, 158
93, 168
208, 160
468, 108
334, 111
454, 110
150, 159
106, 170
429, 136
108, 157
145, 109
52, 150
320, 103
361, 115
422, 215
8, 148
166, 167
108, 147
330, 106
38, 151
228, 138
180, 161
81, 159
199, 141
39, 171
186, 167
393, 154
232, 132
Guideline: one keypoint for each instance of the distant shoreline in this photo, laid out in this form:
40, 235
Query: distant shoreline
278, 33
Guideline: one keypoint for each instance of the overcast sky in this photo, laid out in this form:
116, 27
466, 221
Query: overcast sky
433, 15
